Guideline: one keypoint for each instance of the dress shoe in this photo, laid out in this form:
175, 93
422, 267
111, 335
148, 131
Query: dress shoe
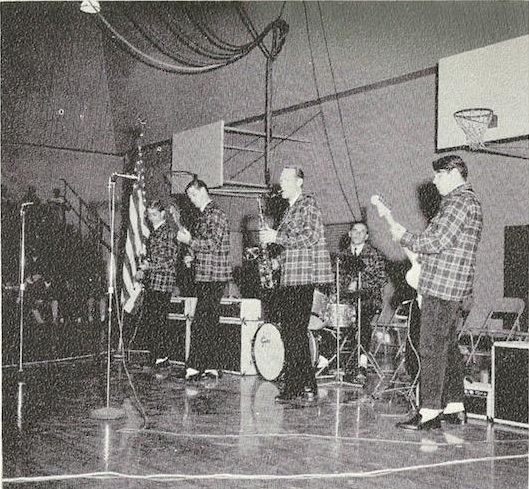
192, 375
456, 418
415, 423
212, 373
286, 397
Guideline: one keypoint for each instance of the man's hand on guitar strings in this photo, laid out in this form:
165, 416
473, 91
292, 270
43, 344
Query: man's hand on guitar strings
397, 231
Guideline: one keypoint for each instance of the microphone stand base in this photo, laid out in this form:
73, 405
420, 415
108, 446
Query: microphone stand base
107, 413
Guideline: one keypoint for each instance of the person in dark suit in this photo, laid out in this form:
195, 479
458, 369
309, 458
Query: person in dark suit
305, 262
157, 272
364, 275
210, 244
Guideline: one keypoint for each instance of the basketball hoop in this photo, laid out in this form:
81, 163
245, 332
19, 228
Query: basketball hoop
474, 123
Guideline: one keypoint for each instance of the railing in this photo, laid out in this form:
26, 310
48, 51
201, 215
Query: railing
89, 222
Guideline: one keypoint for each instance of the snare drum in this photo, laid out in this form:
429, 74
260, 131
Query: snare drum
269, 351
340, 316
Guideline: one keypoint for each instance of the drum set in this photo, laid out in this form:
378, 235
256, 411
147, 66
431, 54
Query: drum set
328, 323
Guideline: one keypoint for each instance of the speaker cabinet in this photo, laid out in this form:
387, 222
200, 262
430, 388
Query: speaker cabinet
510, 379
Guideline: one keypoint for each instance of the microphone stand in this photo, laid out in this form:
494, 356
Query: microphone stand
108, 412
22, 267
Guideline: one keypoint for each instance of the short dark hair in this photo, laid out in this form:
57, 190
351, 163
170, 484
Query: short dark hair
299, 171
450, 162
197, 183
156, 204
354, 223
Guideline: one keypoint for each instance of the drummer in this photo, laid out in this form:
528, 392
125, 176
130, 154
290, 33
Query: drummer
363, 275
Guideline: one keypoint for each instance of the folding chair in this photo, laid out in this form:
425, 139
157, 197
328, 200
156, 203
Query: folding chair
501, 323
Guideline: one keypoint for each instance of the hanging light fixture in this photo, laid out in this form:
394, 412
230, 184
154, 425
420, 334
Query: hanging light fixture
90, 6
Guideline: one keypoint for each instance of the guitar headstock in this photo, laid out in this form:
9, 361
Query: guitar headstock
383, 209
176, 215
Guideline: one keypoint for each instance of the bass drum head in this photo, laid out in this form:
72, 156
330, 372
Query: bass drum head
268, 351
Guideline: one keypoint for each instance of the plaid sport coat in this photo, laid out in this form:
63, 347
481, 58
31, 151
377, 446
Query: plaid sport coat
304, 257
448, 246
161, 254
211, 244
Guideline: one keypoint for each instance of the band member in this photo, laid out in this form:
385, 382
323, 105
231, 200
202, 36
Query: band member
210, 244
447, 248
363, 275
158, 276
305, 262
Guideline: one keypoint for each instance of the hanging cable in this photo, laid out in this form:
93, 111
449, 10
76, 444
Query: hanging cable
279, 28
335, 89
325, 130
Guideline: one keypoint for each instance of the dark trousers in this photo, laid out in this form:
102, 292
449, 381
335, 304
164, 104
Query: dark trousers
441, 379
206, 337
296, 304
155, 310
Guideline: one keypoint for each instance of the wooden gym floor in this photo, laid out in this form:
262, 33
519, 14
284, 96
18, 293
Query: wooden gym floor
231, 434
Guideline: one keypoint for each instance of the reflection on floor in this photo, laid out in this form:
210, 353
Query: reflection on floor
230, 433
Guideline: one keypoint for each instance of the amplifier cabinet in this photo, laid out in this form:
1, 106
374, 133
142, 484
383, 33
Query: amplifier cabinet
180, 316
478, 400
239, 321
510, 379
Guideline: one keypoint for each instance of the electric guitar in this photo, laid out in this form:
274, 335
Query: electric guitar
176, 215
412, 275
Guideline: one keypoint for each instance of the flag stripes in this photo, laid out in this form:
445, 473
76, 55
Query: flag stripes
137, 235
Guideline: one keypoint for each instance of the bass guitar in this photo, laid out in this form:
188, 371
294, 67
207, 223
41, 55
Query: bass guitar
412, 275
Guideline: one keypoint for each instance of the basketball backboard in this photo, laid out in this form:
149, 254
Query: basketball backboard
494, 77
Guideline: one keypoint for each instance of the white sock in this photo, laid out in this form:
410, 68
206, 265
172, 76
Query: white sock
428, 414
191, 371
454, 407
363, 361
212, 371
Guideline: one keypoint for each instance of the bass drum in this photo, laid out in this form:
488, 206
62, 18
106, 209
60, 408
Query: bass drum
269, 352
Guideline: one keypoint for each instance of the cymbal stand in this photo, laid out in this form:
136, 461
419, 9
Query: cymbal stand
360, 350
338, 375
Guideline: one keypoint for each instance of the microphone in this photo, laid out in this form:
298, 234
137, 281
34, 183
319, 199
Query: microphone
124, 175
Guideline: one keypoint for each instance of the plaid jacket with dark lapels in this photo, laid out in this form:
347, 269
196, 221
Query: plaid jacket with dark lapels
211, 244
304, 259
161, 254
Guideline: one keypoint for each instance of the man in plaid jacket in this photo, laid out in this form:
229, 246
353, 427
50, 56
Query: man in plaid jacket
157, 272
447, 249
363, 263
305, 262
210, 243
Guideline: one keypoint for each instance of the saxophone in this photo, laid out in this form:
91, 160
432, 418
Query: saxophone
264, 262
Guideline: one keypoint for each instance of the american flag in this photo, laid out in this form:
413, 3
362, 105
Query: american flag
137, 235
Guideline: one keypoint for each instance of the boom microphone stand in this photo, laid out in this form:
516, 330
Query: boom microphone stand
108, 412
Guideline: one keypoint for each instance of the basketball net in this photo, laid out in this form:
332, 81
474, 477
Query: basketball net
474, 123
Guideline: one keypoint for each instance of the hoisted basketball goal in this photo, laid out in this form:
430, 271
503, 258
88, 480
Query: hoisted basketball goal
475, 122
